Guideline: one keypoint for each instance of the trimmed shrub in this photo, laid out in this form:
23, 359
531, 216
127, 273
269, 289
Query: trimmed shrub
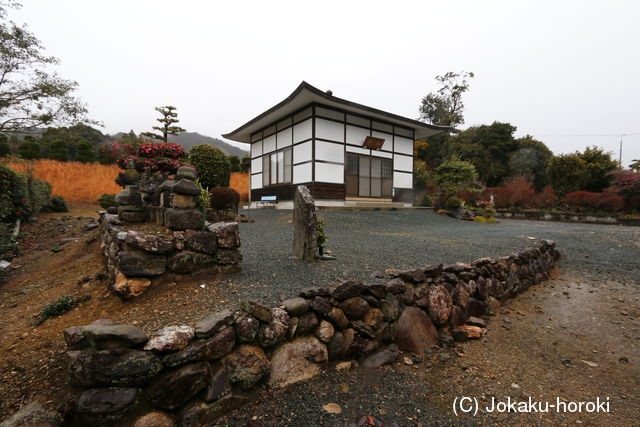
154, 157
546, 198
20, 195
85, 152
58, 150
107, 200
426, 201
454, 203
212, 165
29, 149
58, 204
224, 198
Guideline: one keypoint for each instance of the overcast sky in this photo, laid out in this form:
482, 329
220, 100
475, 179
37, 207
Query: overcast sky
547, 67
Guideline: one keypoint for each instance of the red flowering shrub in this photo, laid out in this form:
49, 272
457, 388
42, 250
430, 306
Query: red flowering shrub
110, 152
154, 157
627, 185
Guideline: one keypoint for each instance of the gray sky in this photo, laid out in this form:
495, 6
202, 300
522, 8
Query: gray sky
547, 67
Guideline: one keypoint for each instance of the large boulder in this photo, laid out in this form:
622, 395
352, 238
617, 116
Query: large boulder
185, 262
307, 323
227, 233
297, 361
170, 338
175, 388
136, 263
346, 289
354, 308
32, 414
258, 310
246, 327
118, 366
183, 219
202, 241
210, 349
104, 406
296, 306
103, 334
150, 242
213, 323
439, 304
154, 419
246, 366
219, 385
275, 331
414, 331
186, 187
129, 287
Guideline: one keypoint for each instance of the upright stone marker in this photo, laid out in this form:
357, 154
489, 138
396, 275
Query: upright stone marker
304, 224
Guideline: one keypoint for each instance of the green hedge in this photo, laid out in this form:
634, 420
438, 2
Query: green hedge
20, 195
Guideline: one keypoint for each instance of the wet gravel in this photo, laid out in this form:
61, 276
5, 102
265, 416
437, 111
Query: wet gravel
369, 241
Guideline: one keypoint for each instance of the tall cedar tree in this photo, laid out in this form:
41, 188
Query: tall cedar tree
168, 119
444, 107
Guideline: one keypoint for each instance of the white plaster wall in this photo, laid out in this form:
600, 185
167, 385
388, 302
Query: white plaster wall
269, 144
358, 150
326, 129
256, 181
328, 172
302, 173
302, 152
403, 163
302, 131
403, 145
376, 153
284, 138
330, 152
256, 165
256, 149
388, 139
356, 135
402, 180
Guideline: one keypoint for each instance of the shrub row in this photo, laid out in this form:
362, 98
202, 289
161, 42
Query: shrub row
21, 195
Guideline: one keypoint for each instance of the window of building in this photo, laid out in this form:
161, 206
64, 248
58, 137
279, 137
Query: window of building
277, 167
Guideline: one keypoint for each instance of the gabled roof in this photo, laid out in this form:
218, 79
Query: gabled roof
306, 94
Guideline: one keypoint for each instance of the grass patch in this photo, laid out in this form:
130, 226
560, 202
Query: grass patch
61, 306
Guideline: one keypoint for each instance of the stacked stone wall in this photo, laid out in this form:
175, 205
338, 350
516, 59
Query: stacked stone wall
193, 374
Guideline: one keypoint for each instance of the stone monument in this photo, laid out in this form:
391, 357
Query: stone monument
304, 224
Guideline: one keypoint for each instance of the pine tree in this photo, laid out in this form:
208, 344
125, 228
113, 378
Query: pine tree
85, 152
58, 150
168, 119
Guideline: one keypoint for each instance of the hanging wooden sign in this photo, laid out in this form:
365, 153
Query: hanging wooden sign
373, 143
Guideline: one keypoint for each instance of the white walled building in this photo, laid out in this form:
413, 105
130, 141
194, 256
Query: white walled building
344, 152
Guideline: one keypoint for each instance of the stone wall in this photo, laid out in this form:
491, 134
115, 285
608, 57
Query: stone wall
195, 374
133, 258
183, 240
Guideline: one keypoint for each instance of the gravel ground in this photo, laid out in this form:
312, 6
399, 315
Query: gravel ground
368, 241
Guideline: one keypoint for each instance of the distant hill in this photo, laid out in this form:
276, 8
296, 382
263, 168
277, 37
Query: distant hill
189, 139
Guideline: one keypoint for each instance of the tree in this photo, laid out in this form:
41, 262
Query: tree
566, 173
85, 152
487, 147
245, 164
5, 148
29, 148
31, 95
234, 163
58, 150
455, 175
635, 165
599, 166
445, 106
168, 120
531, 160
627, 185
212, 166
